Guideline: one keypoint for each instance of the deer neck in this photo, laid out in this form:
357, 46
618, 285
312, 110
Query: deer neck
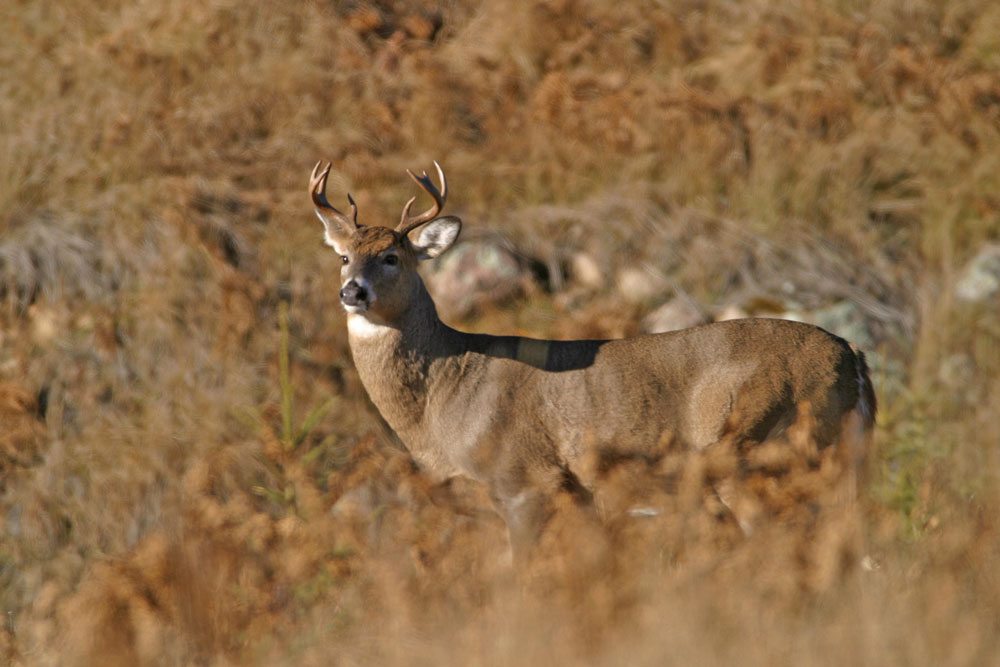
393, 358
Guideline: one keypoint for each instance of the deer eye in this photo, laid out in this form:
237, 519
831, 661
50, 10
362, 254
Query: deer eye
391, 260
344, 259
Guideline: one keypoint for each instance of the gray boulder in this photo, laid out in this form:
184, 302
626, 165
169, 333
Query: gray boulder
474, 274
677, 313
979, 280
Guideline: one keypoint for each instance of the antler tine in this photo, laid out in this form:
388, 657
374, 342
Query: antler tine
408, 223
317, 188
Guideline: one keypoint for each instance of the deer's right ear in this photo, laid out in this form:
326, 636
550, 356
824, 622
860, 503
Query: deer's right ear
334, 234
436, 236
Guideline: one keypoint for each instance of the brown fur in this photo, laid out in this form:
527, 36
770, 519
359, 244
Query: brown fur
519, 414
370, 241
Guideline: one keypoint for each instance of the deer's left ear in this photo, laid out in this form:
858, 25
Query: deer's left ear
436, 236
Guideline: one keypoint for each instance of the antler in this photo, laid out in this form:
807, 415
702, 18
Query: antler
317, 188
408, 223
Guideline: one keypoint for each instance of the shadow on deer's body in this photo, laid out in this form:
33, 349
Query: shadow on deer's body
518, 413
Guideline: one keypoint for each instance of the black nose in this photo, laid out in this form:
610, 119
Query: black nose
352, 294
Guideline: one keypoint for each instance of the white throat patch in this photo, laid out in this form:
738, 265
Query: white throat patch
360, 326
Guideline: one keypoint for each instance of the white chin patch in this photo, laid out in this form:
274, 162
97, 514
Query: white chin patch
360, 326
356, 310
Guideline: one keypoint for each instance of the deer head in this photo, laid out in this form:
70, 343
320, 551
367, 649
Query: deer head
378, 272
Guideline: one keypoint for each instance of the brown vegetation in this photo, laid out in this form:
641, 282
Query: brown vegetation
170, 493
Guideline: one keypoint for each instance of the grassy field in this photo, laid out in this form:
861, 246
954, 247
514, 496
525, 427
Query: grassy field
190, 470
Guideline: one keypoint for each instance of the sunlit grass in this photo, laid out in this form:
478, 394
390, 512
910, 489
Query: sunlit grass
190, 470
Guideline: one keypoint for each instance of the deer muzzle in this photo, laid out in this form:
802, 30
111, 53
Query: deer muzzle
355, 296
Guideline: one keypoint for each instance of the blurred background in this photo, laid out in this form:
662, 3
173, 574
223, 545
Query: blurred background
190, 470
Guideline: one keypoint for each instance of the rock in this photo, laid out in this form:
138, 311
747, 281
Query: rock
586, 272
474, 274
731, 312
677, 313
45, 324
888, 374
639, 286
979, 280
957, 371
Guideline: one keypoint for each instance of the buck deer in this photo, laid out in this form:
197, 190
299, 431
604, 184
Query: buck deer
518, 413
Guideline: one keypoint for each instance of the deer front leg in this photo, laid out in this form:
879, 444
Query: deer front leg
526, 503
525, 510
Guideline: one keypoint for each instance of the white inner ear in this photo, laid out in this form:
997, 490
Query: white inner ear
331, 235
437, 236
338, 244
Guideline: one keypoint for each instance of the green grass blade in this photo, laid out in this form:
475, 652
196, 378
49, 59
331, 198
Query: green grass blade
284, 376
313, 418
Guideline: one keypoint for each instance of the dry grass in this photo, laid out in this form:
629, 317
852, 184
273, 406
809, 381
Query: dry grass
153, 218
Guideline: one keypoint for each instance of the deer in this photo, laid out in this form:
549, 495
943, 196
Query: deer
518, 414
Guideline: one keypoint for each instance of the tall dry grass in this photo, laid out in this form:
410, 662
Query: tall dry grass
153, 218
